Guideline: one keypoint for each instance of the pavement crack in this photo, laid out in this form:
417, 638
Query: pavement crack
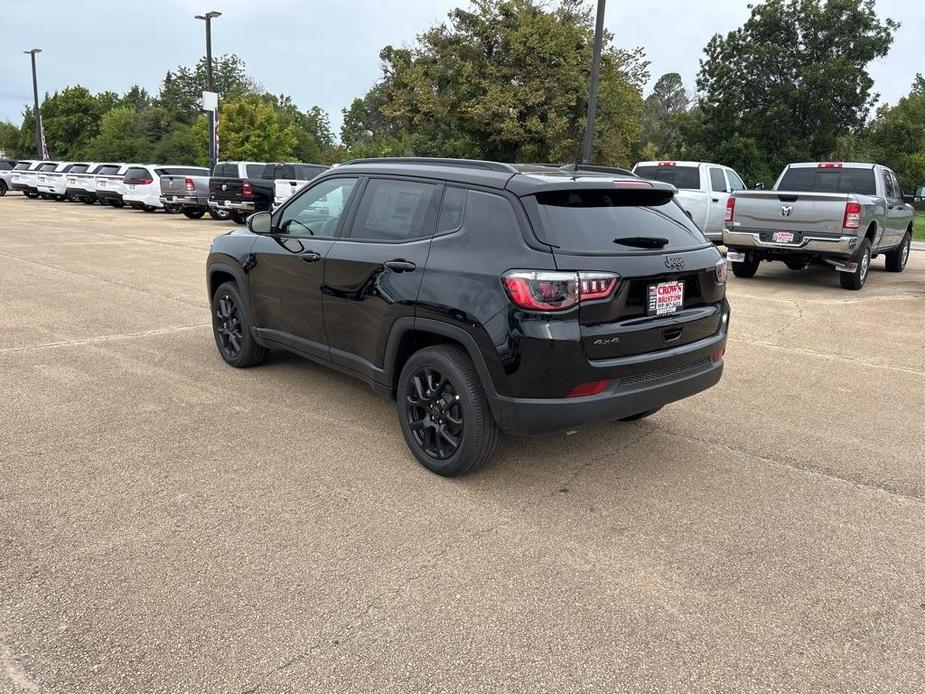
103, 338
792, 464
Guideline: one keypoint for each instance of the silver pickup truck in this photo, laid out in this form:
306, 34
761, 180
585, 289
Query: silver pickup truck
842, 214
190, 195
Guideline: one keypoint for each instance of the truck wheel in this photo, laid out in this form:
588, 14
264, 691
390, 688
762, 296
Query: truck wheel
220, 215
443, 412
238, 217
897, 258
88, 201
148, 208
193, 213
855, 280
795, 264
747, 268
231, 327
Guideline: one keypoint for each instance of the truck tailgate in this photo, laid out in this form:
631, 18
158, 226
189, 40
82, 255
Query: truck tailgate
790, 211
226, 188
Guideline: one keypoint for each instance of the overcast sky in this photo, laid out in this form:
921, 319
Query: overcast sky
325, 52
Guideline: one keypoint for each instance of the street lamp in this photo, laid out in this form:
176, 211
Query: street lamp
207, 18
595, 81
35, 95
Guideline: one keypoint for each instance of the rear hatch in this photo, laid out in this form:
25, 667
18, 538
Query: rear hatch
667, 293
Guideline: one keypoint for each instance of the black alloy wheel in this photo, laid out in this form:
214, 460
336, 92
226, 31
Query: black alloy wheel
228, 326
434, 412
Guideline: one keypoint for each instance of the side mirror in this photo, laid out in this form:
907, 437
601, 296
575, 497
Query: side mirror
759, 186
260, 223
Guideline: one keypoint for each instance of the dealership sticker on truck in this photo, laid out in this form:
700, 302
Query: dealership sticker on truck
782, 237
665, 297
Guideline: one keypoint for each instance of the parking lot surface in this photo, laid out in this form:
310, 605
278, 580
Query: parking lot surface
170, 524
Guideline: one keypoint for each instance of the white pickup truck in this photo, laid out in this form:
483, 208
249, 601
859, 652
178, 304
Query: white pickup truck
703, 190
291, 179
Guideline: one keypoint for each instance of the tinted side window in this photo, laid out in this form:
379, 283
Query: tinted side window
451, 211
317, 211
257, 171
393, 210
718, 180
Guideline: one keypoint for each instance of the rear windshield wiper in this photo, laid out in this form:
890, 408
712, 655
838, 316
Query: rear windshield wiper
643, 241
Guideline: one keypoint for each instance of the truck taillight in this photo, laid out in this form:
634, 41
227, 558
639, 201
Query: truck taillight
189, 185
730, 210
667, 163
830, 165
538, 290
247, 190
852, 215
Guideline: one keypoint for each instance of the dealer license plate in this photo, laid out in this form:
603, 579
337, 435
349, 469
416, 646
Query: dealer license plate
782, 237
665, 298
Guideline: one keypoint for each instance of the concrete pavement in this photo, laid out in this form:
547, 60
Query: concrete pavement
170, 524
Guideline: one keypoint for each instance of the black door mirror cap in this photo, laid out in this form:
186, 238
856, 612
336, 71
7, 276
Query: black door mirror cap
260, 223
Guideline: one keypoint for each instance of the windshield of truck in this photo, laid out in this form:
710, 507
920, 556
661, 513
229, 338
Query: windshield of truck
829, 180
681, 177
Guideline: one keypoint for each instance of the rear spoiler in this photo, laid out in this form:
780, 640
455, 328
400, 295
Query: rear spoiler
630, 187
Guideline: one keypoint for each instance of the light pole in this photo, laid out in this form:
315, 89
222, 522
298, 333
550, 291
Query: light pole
35, 95
213, 148
595, 80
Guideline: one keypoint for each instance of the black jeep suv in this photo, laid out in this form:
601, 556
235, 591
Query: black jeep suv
481, 296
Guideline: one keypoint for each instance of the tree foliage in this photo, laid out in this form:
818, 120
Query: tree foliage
788, 84
664, 111
506, 80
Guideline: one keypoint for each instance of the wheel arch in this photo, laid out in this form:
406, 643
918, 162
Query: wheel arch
409, 335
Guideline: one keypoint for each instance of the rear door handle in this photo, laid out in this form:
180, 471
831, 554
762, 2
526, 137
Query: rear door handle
311, 257
399, 265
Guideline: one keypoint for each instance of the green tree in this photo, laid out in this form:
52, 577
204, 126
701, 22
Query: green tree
663, 113
120, 138
9, 139
253, 127
789, 83
181, 90
507, 80
897, 137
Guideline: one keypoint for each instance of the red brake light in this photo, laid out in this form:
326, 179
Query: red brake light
247, 190
631, 184
668, 163
830, 165
852, 215
589, 388
730, 210
189, 185
537, 290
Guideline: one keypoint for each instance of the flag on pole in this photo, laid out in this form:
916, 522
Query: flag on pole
45, 154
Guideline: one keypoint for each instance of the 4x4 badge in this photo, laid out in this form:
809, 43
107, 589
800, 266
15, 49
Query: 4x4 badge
674, 262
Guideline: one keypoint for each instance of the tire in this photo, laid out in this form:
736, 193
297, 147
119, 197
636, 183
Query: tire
795, 264
219, 215
231, 327
172, 209
3, 188
88, 201
193, 213
441, 382
29, 194
115, 203
148, 208
855, 280
238, 217
640, 415
897, 258
746, 268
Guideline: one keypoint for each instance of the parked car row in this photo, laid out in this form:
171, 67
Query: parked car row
232, 191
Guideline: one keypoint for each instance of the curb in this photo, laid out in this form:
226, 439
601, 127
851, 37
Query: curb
918, 246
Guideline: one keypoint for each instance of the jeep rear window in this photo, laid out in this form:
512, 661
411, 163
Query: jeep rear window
834, 180
681, 177
22, 166
256, 170
591, 221
137, 173
107, 170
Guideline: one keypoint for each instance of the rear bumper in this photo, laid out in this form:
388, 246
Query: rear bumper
79, 192
23, 187
232, 205
673, 375
810, 244
185, 201
104, 195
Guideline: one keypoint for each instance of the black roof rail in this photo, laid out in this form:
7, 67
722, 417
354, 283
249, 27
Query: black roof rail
595, 168
439, 161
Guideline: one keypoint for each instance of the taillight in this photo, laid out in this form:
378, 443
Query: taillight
538, 290
730, 210
852, 215
247, 190
667, 163
721, 270
189, 184
830, 165
589, 388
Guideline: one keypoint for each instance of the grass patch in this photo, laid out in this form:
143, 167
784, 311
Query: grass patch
918, 227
